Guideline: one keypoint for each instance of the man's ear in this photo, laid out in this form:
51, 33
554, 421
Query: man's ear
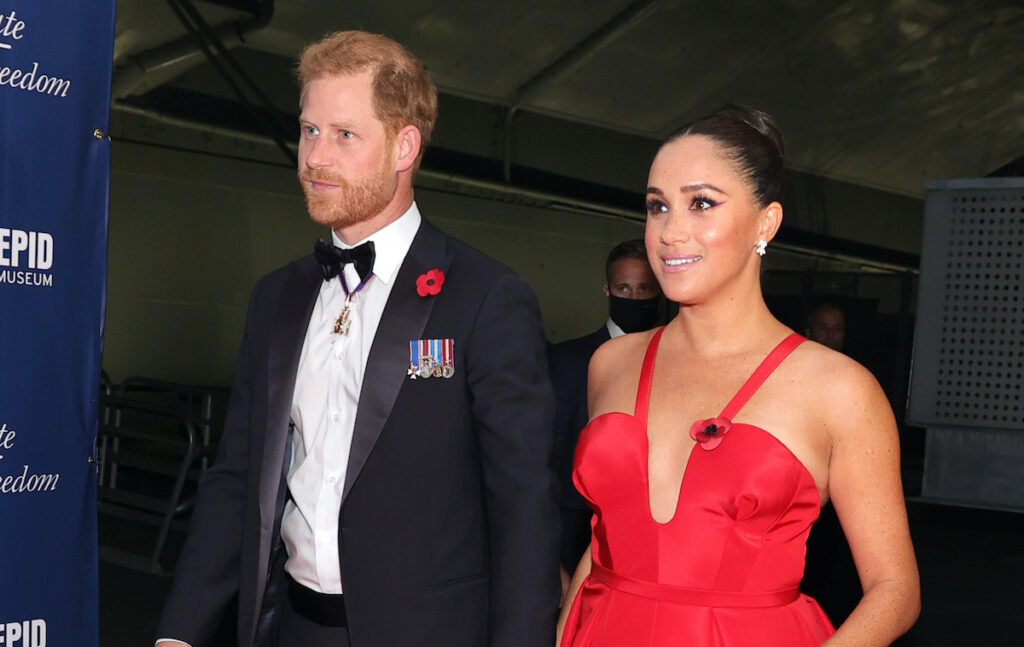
407, 145
607, 292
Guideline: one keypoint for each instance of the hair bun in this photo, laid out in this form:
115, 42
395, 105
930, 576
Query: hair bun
760, 121
752, 140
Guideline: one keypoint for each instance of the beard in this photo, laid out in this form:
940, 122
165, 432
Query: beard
350, 203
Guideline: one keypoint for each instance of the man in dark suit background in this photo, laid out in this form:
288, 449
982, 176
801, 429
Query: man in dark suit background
383, 477
827, 326
633, 298
830, 575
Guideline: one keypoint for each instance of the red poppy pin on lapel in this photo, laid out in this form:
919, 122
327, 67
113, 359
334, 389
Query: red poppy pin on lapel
429, 283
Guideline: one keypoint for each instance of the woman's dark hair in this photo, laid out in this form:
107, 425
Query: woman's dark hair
752, 140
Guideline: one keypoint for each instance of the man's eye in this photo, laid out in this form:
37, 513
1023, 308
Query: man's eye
311, 130
347, 134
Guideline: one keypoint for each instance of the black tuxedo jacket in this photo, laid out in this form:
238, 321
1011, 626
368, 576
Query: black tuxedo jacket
569, 362
448, 526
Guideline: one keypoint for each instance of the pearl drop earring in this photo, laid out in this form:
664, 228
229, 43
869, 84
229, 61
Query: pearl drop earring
762, 245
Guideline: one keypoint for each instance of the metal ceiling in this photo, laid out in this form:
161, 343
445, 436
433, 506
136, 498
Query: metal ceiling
879, 93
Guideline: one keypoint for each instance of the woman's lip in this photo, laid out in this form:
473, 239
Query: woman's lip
679, 262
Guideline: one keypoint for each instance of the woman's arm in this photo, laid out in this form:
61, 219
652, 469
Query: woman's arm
582, 571
866, 488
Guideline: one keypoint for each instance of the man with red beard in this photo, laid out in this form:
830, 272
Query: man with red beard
384, 473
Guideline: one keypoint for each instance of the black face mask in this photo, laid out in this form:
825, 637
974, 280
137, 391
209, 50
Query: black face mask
633, 315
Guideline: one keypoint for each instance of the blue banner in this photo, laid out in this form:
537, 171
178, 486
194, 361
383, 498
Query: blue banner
55, 67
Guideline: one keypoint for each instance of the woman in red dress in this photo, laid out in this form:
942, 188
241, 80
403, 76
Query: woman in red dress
714, 441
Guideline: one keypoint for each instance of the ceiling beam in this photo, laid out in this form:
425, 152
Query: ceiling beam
569, 62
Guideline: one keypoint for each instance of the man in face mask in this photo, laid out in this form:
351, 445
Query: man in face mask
633, 299
633, 292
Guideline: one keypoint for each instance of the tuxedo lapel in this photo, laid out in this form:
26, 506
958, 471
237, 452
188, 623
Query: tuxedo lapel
296, 306
404, 319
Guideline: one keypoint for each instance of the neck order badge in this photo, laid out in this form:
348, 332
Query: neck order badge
344, 320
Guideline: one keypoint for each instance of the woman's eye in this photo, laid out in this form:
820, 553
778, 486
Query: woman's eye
702, 204
656, 206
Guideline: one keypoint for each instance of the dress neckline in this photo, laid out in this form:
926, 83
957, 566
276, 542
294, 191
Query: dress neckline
752, 384
749, 387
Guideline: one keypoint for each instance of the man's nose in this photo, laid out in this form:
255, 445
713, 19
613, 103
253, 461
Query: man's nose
317, 156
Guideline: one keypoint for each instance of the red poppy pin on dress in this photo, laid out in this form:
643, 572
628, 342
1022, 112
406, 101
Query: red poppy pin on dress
429, 283
708, 433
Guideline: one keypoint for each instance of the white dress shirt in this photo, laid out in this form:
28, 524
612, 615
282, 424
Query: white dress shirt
330, 376
613, 329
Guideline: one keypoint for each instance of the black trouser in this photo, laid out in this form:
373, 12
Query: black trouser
294, 630
295, 627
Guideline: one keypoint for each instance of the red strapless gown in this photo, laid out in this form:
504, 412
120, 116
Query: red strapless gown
725, 570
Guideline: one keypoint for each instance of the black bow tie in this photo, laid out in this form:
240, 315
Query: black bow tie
332, 259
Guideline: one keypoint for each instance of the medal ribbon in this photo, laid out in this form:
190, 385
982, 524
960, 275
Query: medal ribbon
362, 284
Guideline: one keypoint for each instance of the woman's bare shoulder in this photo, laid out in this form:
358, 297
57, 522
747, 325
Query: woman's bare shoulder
614, 353
615, 370
831, 369
838, 387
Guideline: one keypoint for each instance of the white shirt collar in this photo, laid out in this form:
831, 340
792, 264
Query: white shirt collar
390, 243
613, 329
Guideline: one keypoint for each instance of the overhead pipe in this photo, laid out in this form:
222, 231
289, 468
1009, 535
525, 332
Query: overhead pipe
569, 62
183, 52
206, 32
204, 35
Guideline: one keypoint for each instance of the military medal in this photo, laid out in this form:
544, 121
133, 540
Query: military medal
425, 368
426, 359
431, 358
448, 357
435, 354
419, 359
414, 359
